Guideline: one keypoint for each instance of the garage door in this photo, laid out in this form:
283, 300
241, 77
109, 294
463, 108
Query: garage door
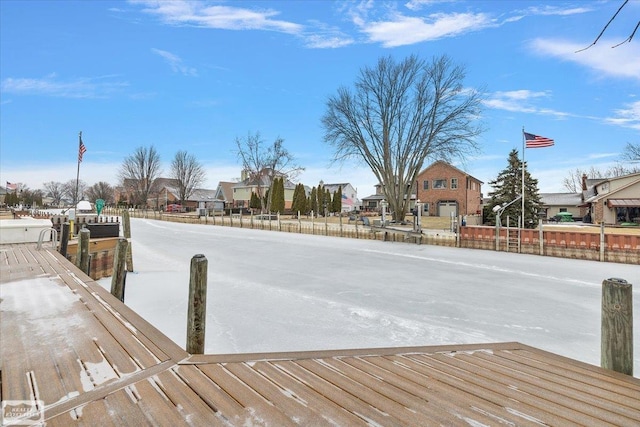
447, 208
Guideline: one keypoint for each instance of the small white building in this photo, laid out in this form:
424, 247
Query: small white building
350, 201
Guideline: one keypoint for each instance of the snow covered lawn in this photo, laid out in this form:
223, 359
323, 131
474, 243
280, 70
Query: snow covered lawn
271, 291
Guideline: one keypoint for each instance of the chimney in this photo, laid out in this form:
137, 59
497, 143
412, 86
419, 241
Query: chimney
584, 182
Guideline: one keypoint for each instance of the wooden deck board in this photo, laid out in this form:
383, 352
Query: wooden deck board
93, 361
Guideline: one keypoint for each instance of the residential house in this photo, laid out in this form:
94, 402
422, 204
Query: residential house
372, 203
445, 190
350, 201
224, 193
259, 185
554, 203
612, 200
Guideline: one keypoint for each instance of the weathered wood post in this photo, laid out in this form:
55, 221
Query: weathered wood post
64, 239
119, 275
126, 227
82, 258
340, 224
616, 347
197, 311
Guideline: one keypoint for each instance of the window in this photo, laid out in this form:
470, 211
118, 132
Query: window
425, 184
454, 183
439, 183
563, 209
425, 207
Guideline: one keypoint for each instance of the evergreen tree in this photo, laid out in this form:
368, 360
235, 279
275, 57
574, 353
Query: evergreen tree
277, 198
336, 204
254, 203
299, 203
507, 186
313, 199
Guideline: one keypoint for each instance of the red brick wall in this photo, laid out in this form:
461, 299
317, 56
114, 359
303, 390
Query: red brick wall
467, 195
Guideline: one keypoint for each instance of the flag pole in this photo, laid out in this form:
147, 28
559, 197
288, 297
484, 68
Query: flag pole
523, 148
75, 195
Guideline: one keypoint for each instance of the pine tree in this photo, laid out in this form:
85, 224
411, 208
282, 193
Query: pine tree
254, 203
337, 200
277, 198
507, 186
313, 199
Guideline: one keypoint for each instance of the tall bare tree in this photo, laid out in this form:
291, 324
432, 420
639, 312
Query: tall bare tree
400, 113
55, 190
631, 152
188, 173
262, 163
70, 188
101, 190
137, 173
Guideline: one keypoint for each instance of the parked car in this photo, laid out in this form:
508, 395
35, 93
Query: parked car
174, 208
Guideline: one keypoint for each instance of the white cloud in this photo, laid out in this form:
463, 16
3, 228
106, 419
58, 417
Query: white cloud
196, 13
175, 62
403, 30
51, 85
420, 4
623, 61
627, 117
522, 101
558, 11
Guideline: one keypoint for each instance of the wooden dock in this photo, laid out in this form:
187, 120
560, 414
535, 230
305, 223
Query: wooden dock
86, 359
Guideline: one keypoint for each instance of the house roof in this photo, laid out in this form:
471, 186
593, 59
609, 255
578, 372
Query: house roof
560, 199
225, 191
451, 166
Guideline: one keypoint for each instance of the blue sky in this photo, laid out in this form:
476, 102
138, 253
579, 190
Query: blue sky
195, 75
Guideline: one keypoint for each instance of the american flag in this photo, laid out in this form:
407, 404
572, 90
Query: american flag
81, 150
537, 141
11, 187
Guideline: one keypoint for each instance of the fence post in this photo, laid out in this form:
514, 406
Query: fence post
64, 239
616, 347
82, 258
602, 241
119, 275
126, 226
541, 237
197, 312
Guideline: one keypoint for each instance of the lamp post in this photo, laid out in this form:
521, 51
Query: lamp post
383, 205
418, 215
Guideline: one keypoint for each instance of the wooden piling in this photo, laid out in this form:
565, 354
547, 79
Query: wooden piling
197, 310
64, 239
126, 228
616, 352
82, 258
119, 275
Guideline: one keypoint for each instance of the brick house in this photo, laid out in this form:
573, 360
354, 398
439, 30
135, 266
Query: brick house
445, 190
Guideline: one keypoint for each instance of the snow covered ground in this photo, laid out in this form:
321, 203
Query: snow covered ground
271, 291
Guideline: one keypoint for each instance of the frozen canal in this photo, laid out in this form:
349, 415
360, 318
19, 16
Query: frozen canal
270, 291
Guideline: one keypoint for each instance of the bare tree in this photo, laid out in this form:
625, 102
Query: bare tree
101, 190
137, 173
55, 190
627, 40
188, 173
573, 182
631, 152
398, 115
261, 164
70, 188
